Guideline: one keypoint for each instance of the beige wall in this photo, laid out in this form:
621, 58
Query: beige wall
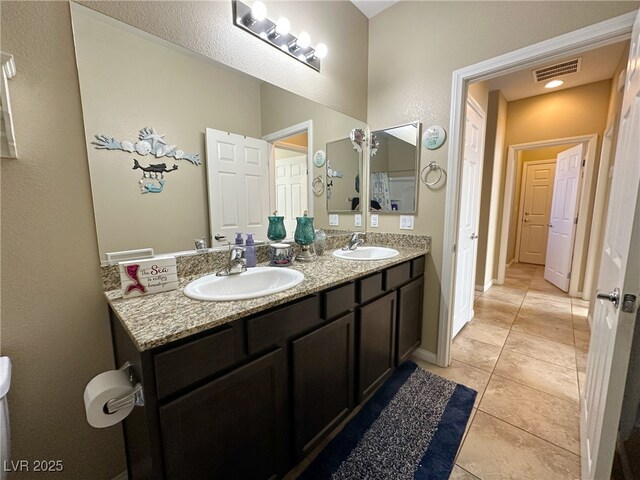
137, 82
414, 81
54, 316
567, 113
491, 196
281, 110
205, 27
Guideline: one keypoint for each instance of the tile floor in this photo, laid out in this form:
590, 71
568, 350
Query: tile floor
525, 353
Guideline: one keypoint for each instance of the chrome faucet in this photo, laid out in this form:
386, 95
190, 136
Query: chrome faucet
354, 241
237, 262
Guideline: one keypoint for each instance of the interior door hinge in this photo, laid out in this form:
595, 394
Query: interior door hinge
584, 162
453, 249
576, 221
569, 275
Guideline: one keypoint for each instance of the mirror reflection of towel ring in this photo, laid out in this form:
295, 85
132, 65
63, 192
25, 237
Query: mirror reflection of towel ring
318, 185
432, 167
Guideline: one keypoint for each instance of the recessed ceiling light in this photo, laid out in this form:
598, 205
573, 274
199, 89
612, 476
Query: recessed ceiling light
554, 84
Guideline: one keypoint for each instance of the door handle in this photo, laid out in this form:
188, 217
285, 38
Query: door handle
526, 213
549, 225
525, 219
474, 236
613, 297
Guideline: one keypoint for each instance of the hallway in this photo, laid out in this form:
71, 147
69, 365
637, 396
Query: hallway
525, 352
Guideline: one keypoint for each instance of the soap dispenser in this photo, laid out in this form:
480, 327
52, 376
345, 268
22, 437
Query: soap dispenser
250, 251
239, 240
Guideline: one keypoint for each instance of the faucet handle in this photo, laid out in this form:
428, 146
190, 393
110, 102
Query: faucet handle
236, 252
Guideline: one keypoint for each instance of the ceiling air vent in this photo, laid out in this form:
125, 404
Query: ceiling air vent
559, 69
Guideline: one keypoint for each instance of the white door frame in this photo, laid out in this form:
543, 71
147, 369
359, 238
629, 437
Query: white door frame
287, 132
521, 201
590, 142
600, 34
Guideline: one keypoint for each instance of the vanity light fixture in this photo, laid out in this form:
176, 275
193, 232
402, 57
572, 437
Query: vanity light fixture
254, 19
554, 84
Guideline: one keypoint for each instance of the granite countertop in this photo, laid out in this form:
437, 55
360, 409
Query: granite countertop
156, 320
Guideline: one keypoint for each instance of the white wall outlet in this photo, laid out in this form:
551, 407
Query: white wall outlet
406, 222
374, 220
334, 219
357, 220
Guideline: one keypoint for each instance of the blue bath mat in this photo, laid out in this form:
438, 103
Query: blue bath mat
410, 429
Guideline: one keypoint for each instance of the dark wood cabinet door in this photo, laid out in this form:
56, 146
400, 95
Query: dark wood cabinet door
376, 347
230, 428
323, 369
409, 318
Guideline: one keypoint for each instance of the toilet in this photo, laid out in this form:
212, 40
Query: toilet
5, 381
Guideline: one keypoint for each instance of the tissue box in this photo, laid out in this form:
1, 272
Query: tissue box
148, 276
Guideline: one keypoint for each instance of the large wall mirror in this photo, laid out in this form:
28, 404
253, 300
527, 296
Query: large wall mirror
190, 147
344, 167
393, 169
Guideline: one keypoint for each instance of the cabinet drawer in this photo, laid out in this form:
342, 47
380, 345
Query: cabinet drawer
417, 267
282, 324
339, 301
184, 365
370, 287
396, 276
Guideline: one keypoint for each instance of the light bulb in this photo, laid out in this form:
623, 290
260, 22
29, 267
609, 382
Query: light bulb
554, 84
321, 50
258, 11
304, 40
282, 26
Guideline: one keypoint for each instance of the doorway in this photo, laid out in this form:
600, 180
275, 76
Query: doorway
512, 216
595, 458
290, 164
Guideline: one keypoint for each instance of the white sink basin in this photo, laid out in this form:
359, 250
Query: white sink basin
366, 253
255, 282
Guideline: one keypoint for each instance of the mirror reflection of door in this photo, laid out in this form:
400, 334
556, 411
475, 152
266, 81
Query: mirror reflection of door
238, 184
290, 178
535, 208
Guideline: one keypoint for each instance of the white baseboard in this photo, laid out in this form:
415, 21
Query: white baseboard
485, 287
423, 354
121, 476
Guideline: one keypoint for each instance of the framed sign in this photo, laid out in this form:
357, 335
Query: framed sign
433, 137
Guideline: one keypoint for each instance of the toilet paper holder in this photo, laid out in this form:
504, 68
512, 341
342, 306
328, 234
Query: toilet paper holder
135, 398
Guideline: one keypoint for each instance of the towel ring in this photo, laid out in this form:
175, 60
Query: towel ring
318, 185
432, 166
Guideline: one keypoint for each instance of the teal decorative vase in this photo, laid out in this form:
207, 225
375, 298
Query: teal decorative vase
305, 236
276, 230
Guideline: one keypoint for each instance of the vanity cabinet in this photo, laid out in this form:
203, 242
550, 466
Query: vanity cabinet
376, 345
409, 318
323, 372
251, 398
233, 426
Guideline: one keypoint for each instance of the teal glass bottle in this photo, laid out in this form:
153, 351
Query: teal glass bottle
305, 233
276, 230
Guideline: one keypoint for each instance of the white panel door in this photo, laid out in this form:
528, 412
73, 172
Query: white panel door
536, 209
237, 183
291, 190
619, 269
564, 209
467, 246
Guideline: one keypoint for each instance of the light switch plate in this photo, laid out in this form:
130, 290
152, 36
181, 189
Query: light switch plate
333, 219
374, 220
406, 222
357, 220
